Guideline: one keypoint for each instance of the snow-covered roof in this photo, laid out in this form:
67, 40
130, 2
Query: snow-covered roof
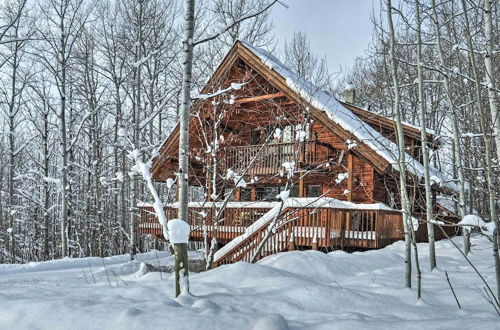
448, 203
345, 118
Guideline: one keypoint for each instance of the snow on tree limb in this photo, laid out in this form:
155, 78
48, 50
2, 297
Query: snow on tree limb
233, 86
144, 169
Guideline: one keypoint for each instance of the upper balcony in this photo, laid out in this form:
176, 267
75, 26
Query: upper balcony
269, 159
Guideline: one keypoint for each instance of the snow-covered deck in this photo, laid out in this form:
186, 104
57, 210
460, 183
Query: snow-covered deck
308, 222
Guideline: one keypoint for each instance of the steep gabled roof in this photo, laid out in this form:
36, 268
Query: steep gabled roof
371, 145
345, 118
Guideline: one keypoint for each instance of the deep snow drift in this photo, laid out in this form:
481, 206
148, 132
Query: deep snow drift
296, 290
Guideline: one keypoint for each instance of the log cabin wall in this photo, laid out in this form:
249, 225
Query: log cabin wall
360, 183
387, 190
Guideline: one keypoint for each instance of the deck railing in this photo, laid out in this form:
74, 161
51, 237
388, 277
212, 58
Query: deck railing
301, 227
318, 228
269, 159
230, 224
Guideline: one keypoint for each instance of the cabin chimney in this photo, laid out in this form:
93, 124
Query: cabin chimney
349, 94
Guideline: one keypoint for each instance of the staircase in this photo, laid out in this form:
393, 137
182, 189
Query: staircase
257, 242
304, 223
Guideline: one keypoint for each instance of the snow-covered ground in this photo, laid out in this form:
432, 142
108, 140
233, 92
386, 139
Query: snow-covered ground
296, 290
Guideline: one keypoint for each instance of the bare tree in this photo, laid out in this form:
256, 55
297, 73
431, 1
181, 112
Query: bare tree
495, 116
401, 146
423, 137
65, 20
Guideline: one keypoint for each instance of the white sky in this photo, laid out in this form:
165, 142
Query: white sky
340, 30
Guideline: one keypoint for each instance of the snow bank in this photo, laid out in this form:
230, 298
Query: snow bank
473, 220
297, 290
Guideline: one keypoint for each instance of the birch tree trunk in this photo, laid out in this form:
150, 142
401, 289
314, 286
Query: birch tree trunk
62, 120
12, 118
492, 99
482, 116
423, 137
455, 129
184, 124
136, 109
46, 191
401, 146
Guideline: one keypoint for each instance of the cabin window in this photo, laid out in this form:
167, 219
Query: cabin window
279, 134
294, 191
196, 194
246, 194
256, 136
314, 190
286, 134
229, 191
268, 193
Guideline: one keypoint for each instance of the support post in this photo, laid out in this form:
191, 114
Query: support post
291, 242
350, 178
314, 245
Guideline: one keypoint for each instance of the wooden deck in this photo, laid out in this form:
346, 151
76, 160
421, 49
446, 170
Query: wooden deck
324, 228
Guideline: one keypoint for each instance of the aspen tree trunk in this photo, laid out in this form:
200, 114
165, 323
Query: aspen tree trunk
482, 117
136, 115
181, 269
423, 136
487, 146
1, 201
46, 192
401, 145
64, 140
492, 98
490, 78
455, 129
12, 144
181, 255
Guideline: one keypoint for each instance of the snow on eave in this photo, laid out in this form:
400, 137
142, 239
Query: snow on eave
447, 203
428, 130
344, 117
323, 202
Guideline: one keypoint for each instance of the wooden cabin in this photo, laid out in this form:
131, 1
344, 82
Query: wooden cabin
258, 130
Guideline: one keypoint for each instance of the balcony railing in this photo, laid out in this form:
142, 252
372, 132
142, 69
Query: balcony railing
269, 159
